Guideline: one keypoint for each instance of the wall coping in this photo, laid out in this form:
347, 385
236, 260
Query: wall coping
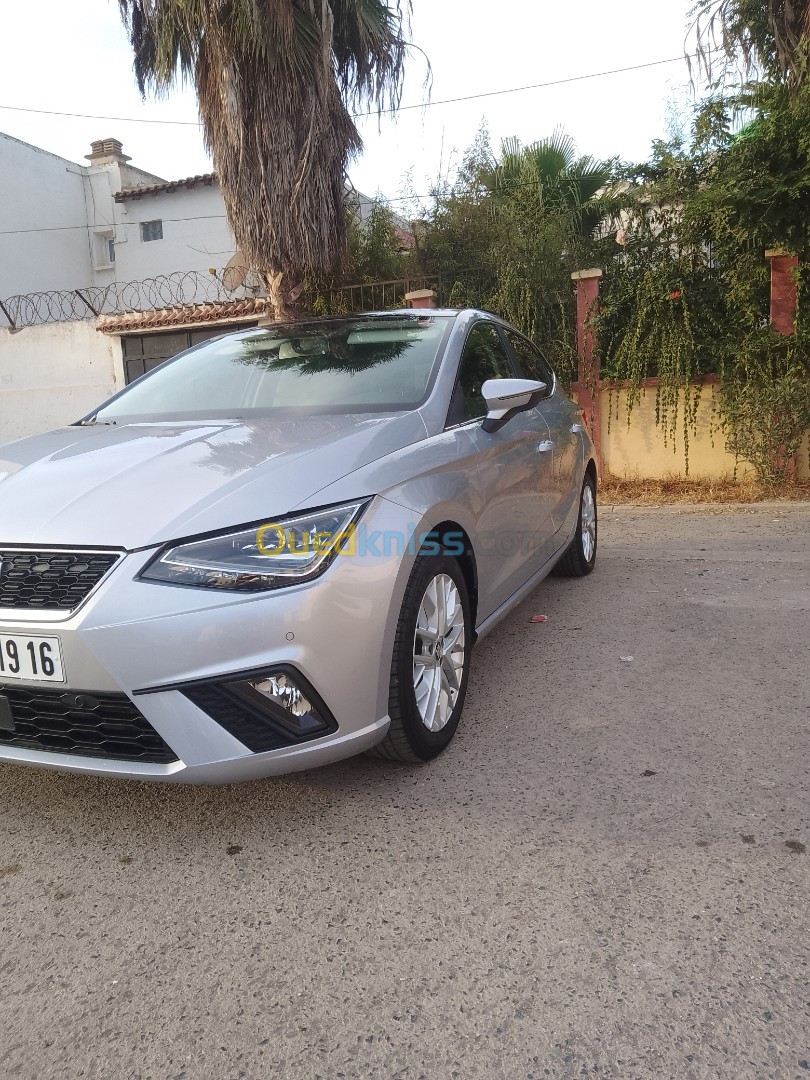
583, 275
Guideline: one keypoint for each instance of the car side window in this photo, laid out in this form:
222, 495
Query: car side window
484, 357
531, 363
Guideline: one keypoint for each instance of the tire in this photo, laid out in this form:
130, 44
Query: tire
580, 556
424, 705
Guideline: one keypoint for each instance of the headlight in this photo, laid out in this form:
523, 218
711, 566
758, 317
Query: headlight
268, 555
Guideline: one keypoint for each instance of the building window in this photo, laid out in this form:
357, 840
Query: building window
151, 230
105, 251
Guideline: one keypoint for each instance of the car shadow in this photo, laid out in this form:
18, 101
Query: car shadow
192, 815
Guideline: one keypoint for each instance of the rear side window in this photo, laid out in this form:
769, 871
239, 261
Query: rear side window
484, 357
530, 362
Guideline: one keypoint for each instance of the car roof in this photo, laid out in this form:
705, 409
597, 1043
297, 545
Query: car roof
416, 313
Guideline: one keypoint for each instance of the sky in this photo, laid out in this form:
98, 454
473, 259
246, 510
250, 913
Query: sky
73, 56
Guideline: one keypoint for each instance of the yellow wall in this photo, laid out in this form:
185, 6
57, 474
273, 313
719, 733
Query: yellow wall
639, 451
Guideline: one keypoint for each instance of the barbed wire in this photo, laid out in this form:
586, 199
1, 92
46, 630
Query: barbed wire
180, 292
177, 289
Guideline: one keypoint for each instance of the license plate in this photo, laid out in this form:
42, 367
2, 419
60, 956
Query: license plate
35, 659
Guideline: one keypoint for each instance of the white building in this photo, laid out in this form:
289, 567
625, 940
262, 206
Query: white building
70, 226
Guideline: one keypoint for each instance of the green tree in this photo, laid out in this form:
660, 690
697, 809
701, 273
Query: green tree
375, 246
512, 227
556, 179
275, 80
460, 230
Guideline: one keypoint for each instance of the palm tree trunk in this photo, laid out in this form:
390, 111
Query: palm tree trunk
283, 297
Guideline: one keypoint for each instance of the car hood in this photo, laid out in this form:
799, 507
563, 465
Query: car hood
136, 485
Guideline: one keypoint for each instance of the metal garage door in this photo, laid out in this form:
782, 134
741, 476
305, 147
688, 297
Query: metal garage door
142, 352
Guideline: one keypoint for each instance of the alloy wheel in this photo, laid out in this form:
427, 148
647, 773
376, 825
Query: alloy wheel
438, 652
588, 523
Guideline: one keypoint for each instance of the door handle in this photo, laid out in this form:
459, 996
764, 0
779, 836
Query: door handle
576, 429
545, 446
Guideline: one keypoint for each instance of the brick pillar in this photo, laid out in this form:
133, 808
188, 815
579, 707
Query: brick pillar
783, 290
421, 298
784, 295
587, 384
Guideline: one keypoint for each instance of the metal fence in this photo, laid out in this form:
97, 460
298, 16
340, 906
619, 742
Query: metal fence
465, 288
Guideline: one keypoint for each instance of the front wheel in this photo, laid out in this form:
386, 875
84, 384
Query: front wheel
430, 664
580, 557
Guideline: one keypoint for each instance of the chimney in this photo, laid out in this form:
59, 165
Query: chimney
107, 152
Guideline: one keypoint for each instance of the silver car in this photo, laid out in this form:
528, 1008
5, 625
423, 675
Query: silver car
279, 548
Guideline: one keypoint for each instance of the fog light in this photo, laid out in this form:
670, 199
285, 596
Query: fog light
288, 703
284, 692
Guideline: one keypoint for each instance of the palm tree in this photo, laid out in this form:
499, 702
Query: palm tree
561, 181
773, 34
275, 80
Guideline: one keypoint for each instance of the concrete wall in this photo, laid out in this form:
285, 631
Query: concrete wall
638, 451
43, 219
52, 375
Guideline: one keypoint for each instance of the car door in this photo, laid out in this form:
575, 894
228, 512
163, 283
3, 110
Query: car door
564, 423
511, 477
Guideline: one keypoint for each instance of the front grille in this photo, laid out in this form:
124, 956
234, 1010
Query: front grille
74, 722
50, 580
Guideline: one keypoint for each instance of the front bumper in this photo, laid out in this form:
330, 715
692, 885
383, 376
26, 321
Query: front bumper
228, 770
147, 641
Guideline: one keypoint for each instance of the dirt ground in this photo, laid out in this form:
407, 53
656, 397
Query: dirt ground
606, 876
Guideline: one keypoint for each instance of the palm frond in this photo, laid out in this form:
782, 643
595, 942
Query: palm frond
555, 177
275, 80
770, 34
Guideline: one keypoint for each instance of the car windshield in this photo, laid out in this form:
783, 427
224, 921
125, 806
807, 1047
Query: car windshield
371, 363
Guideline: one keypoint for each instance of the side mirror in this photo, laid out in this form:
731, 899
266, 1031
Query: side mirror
507, 397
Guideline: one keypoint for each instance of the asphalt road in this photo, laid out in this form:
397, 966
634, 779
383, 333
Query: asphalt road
605, 876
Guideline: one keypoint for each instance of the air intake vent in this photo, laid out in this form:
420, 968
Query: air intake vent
98, 725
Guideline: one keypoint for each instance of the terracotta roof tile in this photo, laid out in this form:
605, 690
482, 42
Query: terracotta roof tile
206, 179
183, 315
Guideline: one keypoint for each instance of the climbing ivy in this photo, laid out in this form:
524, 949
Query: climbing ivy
688, 295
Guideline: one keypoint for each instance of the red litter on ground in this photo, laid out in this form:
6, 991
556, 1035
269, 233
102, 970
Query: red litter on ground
539, 618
